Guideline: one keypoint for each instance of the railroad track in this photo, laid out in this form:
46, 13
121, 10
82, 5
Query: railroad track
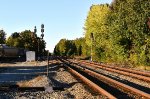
144, 76
105, 85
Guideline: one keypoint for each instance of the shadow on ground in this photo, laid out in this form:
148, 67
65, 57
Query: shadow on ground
12, 75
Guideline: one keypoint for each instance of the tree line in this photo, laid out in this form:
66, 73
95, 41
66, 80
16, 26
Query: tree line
26, 39
121, 33
75, 47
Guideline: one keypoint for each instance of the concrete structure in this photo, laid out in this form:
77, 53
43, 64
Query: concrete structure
30, 56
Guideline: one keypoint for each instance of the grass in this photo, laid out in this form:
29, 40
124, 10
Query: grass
143, 67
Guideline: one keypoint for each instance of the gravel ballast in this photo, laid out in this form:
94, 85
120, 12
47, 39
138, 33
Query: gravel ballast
58, 77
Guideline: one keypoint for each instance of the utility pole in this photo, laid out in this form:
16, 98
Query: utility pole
37, 53
92, 38
47, 62
42, 35
39, 39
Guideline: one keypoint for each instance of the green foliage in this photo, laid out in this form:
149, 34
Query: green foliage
79, 43
14, 40
61, 47
121, 32
71, 47
96, 23
2, 36
129, 30
65, 48
27, 40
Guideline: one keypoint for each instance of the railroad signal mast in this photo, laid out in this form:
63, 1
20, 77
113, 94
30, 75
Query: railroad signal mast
42, 35
38, 38
92, 39
42, 30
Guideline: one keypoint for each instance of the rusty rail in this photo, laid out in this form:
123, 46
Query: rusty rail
140, 77
114, 83
91, 84
124, 69
117, 84
120, 85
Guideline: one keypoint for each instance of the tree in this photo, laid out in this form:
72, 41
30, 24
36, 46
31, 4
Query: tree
27, 40
81, 47
14, 40
75, 47
121, 31
65, 48
96, 23
128, 27
2, 36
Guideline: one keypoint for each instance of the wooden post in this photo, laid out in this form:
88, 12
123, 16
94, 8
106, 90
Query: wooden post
47, 62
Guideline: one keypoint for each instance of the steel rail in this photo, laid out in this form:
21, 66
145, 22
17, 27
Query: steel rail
91, 84
117, 84
140, 77
123, 69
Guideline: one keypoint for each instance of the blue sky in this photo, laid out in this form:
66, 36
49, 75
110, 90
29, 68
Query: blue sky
62, 18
